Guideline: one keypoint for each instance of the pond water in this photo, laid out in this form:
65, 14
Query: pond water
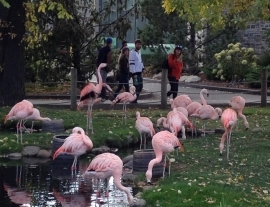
38, 182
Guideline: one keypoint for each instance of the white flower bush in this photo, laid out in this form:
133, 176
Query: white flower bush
235, 62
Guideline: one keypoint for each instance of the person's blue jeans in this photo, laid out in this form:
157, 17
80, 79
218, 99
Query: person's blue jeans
123, 81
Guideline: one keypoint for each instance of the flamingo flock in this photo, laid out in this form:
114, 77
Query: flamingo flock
163, 142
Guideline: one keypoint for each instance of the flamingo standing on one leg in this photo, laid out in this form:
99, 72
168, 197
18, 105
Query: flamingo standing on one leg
163, 142
106, 165
35, 116
238, 103
194, 106
19, 112
90, 95
229, 120
125, 97
76, 144
207, 112
145, 126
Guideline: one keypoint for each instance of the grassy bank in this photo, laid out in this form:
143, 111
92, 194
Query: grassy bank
199, 177
108, 128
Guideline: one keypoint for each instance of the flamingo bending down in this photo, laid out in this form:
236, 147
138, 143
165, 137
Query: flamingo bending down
125, 97
19, 112
162, 142
163, 121
145, 126
177, 121
238, 103
35, 116
106, 165
229, 120
180, 101
76, 144
90, 95
207, 112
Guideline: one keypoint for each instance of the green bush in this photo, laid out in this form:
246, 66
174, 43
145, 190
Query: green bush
235, 63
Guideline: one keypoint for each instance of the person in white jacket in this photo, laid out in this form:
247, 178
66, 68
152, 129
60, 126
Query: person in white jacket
136, 67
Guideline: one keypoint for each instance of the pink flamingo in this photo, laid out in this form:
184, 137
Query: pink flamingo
182, 100
76, 144
106, 165
90, 95
145, 126
207, 112
162, 142
183, 110
162, 121
238, 103
229, 120
194, 106
177, 121
125, 97
19, 112
35, 116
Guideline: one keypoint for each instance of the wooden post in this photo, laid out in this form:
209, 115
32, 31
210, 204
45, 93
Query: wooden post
164, 88
264, 88
73, 90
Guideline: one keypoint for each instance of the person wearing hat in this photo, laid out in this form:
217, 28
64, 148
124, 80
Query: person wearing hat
136, 67
104, 56
123, 71
176, 65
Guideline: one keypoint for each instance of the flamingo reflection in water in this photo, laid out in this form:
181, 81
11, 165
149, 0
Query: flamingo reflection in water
18, 195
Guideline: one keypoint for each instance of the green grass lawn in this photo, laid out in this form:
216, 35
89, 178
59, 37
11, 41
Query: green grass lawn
199, 176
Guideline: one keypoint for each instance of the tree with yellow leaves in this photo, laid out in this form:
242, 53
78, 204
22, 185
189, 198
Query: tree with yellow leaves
216, 12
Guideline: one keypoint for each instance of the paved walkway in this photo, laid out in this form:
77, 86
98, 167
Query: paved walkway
152, 96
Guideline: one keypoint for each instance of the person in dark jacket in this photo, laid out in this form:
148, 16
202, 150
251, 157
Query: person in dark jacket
104, 56
123, 71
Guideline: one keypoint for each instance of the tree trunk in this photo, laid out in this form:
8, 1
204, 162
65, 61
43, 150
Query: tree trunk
12, 71
193, 65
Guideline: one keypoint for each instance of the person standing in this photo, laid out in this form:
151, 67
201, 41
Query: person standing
176, 65
136, 67
123, 71
124, 44
104, 56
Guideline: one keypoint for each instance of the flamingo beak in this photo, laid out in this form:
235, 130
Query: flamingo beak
207, 94
181, 148
6, 118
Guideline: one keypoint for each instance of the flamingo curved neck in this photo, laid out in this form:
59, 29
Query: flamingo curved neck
202, 98
118, 184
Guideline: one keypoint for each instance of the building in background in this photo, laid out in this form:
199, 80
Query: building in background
136, 19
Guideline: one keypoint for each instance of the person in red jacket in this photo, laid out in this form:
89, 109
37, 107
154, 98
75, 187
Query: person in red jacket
176, 65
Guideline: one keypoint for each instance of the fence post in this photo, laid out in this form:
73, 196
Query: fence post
73, 90
164, 88
264, 88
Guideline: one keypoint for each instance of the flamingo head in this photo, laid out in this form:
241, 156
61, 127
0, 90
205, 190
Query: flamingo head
6, 118
77, 130
137, 114
132, 89
219, 111
205, 91
181, 148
